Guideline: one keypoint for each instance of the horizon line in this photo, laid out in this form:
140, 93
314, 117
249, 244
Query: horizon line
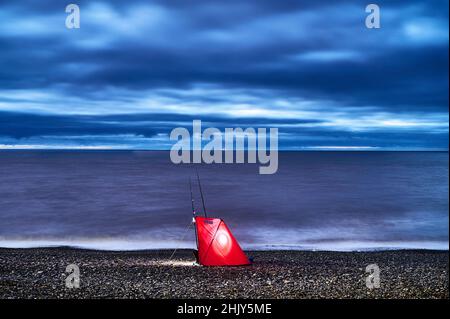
94, 149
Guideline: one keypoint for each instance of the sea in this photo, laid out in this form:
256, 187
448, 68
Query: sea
133, 200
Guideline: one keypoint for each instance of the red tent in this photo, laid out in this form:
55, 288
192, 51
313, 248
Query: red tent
217, 245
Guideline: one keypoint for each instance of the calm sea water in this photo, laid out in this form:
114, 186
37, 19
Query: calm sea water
140, 200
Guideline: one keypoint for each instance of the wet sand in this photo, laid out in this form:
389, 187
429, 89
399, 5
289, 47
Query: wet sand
40, 273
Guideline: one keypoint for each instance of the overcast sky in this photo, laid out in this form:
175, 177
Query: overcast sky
137, 69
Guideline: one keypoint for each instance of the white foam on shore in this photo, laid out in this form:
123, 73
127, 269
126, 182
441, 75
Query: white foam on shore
97, 244
356, 246
129, 245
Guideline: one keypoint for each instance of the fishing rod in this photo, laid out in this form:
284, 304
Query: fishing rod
201, 193
193, 212
192, 198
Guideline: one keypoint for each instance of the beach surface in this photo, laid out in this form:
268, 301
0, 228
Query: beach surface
41, 273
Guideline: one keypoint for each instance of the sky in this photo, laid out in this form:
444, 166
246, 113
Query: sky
135, 70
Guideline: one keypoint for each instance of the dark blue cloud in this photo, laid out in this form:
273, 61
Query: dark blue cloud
146, 131
312, 68
25, 125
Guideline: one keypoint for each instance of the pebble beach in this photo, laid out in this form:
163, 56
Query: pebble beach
41, 273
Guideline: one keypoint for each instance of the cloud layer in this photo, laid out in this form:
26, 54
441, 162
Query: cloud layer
137, 69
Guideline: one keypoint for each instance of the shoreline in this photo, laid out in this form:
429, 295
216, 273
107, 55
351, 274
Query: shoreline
118, 245
252, 249
40, 273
